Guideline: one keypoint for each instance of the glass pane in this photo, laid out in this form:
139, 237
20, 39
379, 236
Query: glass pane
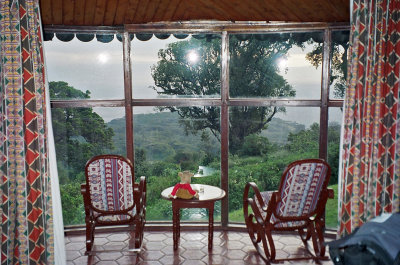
334, 130
170, 140
340, 46
275, 65
94, 68
79, 134
176, 68
260, 149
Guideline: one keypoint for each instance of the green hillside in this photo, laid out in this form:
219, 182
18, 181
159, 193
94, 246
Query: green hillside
278, 130
162, 135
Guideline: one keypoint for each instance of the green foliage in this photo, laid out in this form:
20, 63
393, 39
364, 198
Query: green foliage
253, 73
331, 209
333, 151
72, 203
278, 130
61, 90
338, 75
257, 160
79, 134
305, 140
255, 145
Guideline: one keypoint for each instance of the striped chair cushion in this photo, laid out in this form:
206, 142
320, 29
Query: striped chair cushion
300, 191
110, 185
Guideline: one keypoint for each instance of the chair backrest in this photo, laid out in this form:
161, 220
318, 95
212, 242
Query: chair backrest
301, 186
110, 183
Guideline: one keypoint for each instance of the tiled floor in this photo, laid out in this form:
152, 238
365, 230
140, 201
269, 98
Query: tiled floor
228, 248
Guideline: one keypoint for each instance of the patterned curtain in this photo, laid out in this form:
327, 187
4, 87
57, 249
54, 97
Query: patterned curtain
26, 210
370, 167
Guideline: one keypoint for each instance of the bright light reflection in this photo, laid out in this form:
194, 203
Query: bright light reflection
192, 56
103, 58
282, 63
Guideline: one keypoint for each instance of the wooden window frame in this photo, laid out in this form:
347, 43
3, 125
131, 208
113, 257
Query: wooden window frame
224, 29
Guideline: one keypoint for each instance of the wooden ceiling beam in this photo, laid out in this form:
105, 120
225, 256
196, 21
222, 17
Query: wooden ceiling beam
151, 9
79, 12
109, 15
141, 11
90, 8
46, 12
131, 12
57, 12
99, 12
160, 11
68, 12
171, 10
121, 12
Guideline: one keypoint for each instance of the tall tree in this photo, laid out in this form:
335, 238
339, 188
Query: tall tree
253, 73
79, 133
340, 45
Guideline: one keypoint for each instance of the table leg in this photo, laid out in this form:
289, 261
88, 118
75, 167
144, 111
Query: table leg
175, 224
210, 225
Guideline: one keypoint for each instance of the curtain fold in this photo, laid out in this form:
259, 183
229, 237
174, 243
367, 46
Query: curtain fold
370, 155
27, 226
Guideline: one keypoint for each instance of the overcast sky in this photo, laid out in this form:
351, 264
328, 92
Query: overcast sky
98, 67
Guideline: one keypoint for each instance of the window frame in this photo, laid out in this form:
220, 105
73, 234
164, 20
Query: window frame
224, 29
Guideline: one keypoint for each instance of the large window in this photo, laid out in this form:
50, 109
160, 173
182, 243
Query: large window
230, 107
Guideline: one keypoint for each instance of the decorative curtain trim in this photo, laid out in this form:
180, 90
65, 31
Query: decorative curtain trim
26, 205
370, 161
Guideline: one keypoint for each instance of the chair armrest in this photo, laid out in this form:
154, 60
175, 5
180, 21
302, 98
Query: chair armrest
331, 193
139, 192
86, 198
257, 193
83, 188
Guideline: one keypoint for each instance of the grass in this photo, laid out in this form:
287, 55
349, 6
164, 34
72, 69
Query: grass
330, 217
331, 212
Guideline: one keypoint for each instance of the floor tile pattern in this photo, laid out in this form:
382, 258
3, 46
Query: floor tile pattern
231, 248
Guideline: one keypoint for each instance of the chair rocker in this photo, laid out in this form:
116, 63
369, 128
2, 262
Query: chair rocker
298, 205
111, 197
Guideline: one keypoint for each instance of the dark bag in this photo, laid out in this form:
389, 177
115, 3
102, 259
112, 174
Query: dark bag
377, 242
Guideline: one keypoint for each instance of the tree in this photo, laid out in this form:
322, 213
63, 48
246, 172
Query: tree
79, 133
253, 73
340, 45
305, 141
305, 144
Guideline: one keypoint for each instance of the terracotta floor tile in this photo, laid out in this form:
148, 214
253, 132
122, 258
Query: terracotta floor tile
193, 254
229, 248
171, 260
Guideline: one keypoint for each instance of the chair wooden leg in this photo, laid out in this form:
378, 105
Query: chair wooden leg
139, 232
90, 227
315, 239
305, 236
320, 234
261, 239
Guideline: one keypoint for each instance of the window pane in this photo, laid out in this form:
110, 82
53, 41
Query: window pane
176, 67
169, 142
79, 134
87, 66
260, 150
275, 65
334, 130
340, 45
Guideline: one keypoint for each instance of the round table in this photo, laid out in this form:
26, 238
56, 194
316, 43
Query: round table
208, 195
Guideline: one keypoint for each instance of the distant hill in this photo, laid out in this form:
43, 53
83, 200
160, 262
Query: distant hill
278, 130
161, 135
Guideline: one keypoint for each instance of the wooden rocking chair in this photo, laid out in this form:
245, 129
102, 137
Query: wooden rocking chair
112, 198
298, 205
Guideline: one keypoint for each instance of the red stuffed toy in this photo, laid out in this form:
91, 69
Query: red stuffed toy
183, 190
